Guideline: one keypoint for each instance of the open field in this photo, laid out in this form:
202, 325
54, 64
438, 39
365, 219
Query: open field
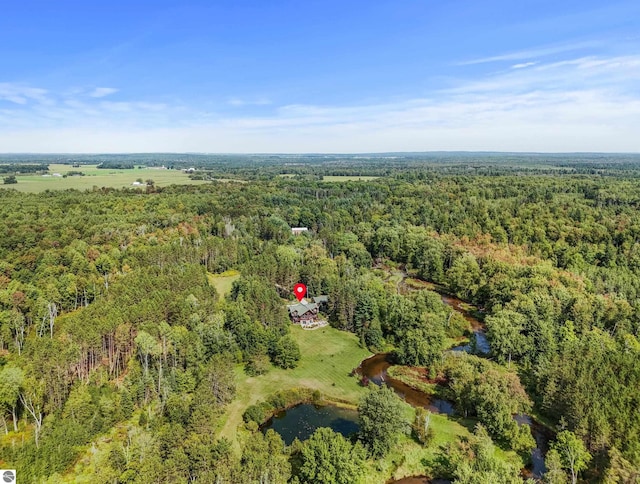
111, 178
223, 282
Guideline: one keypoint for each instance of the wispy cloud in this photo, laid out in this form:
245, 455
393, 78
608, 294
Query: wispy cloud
19, 94
102, 92
618, 74
532, 53
523, 65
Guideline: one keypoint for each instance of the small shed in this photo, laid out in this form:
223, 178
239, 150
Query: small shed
322, 302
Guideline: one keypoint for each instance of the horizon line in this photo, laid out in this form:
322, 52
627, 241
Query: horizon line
316, 153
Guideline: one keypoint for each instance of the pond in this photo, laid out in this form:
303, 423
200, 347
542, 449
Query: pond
302, 420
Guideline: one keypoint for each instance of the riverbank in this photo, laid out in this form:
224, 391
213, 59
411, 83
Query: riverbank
416, 378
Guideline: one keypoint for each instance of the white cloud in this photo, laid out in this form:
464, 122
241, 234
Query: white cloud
19, 94
102, 92
523, 65
614, 73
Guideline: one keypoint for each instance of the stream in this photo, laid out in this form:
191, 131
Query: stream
479, 333
375, 369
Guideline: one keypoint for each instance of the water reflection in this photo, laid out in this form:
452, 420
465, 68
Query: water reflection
542, 436
375, 369
479, 344
302, 421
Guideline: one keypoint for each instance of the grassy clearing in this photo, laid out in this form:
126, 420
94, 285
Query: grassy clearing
100, 178
223, 282
414, 377
328, 356
409, 458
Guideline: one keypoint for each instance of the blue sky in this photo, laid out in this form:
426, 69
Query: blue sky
311, 76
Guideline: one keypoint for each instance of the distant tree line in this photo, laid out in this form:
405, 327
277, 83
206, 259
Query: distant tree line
22, 168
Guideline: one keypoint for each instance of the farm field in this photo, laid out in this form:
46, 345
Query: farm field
110, 178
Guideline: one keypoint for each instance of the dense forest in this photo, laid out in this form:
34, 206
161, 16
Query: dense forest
121, 360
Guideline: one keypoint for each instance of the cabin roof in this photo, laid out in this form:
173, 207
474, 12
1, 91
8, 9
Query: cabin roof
302, 308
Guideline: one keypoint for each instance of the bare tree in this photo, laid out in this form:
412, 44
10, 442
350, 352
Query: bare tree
35, 410
18, 325
53, 313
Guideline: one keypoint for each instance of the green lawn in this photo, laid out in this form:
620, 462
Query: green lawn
328, 356
223, 282
98, 177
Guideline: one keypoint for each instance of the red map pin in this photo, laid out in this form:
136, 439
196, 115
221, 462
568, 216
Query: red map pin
299, 290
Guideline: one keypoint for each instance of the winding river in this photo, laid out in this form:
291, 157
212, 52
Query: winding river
478, 328
375, 369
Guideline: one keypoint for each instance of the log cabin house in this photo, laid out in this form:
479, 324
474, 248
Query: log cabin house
305, 312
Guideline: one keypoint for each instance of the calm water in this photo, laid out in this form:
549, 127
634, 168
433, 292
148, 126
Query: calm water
542, 436
481, 343
375, 369
302, 420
